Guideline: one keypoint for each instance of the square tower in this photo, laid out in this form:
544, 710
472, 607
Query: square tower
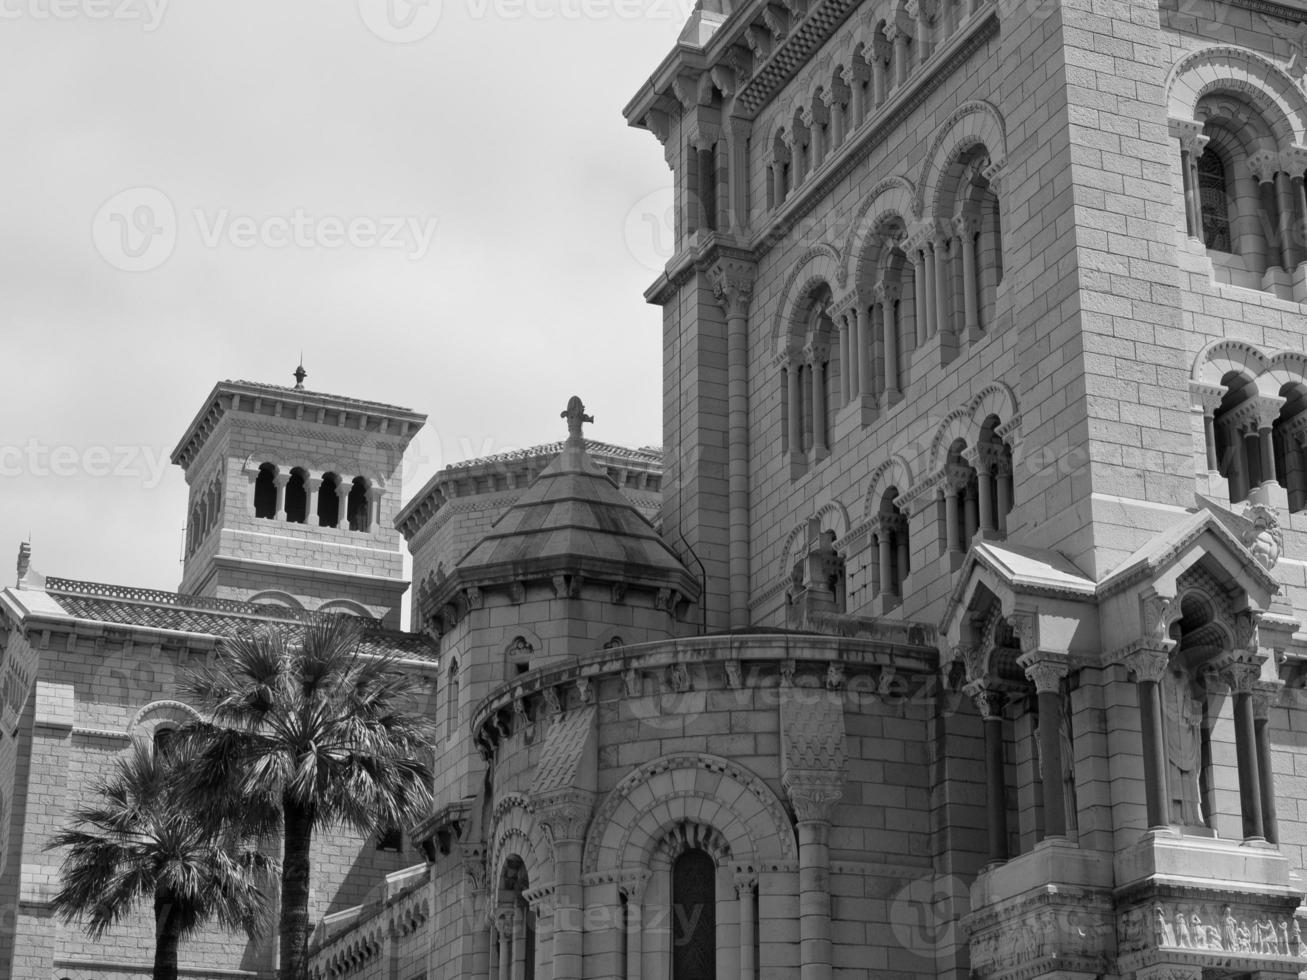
293, 495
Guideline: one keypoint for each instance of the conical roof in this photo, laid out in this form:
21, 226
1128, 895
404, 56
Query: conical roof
572, 519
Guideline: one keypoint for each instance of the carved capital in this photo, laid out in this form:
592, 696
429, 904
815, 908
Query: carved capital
814, 794
1266, 695
1264, 164
1241, 675
564, 815
1045, 670
989, 701
732, 282
632, 884
1148, 662
1205, 396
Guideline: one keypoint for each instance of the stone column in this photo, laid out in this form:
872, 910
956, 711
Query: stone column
919, 286
985, 491
281, 480
888, 296
1264, 697
863, 334
1284, 198
342, 505
1046, 672
745, 890
857, 101
1148, 664
880, 54
312, 488
972, 512
1252, 453
967, 229
1209, 397
943, 318
1266, 416
952, 528
1192, 212
564, 818
633, 888
1003, 491
902, 557
990, 702
817, 356
814, 796
733, 285
932, 294
794, 398
836, 108
843, 325
900, 42
885, 552
504, 922
519, 943
1242, 677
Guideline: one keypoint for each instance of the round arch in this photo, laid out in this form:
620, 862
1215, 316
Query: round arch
958, 425
348, 606
820, 266
891, 198
514, 831
275, 597
707, 790
972, 123
894, 472
1227, 67
161, 714
1223, 357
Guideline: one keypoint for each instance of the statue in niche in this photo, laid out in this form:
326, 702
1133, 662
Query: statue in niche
1183, 728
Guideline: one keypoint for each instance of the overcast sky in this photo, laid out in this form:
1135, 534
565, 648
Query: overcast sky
441, 204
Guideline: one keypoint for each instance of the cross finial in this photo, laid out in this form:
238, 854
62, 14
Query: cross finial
576, 417
300, 375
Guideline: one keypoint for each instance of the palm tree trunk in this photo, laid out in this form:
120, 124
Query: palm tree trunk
295, 893
167, 937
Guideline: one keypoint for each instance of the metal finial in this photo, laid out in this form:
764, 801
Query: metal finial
300, 375
576, 417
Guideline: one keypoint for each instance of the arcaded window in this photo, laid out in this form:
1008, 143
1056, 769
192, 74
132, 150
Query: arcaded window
329, 501
297, 497
694, 917
265, 492
358, 506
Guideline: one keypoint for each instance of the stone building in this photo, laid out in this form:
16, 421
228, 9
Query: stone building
954, 633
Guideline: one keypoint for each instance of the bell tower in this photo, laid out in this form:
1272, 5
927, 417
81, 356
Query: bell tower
293, 495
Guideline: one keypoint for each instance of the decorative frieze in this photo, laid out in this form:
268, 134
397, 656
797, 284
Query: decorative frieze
1210, 926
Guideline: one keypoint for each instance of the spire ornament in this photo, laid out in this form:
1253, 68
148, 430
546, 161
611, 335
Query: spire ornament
576, 417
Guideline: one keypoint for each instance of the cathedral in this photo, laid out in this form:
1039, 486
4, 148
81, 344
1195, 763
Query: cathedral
956, 630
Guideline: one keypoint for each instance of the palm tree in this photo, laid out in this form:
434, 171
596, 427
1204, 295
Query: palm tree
139, 842
317, 733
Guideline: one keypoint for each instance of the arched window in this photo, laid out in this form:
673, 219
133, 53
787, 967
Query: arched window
694, 917
329, 501
358, 506
994, 479
265, 492
1213, 198
1289, 435
960, 503
297, 496
164, 737
892, 550
1234, 427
